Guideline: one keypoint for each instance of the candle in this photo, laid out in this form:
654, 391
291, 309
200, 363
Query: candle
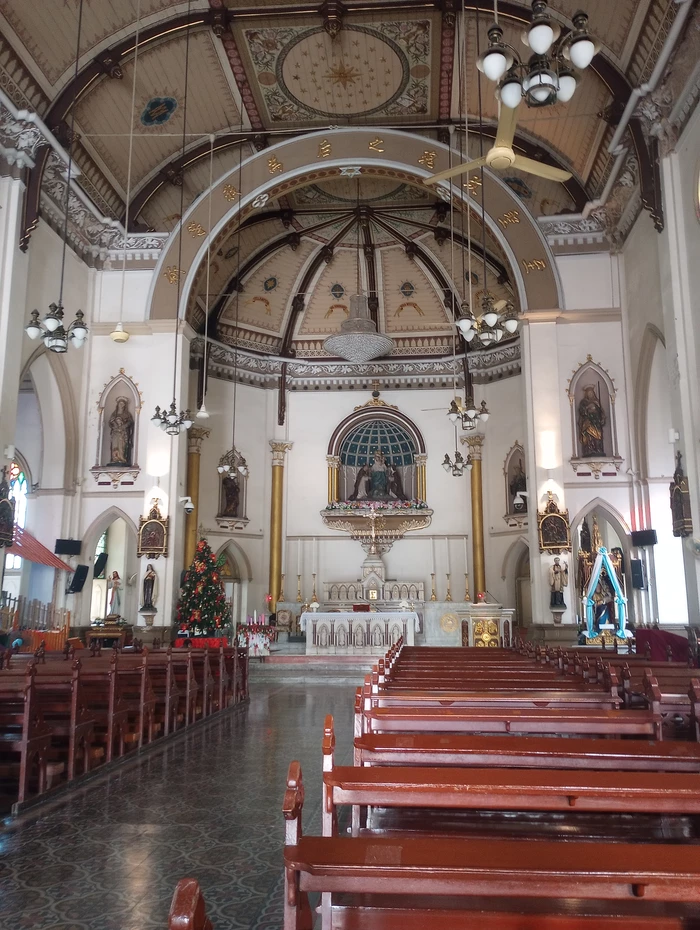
299, 556
432, 556
255, 616
466, 559
447, 551
314, 543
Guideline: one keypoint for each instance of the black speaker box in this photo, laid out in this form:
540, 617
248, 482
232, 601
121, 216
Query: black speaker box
643, 537
68, 546
637, 571
78, 579
99, 566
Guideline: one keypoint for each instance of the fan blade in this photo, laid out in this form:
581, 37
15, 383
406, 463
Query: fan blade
458, 169
542, 171
505, 133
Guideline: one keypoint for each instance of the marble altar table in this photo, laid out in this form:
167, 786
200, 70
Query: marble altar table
360, 634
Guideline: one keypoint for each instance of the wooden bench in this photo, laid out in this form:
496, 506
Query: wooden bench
25, 737
187, 908
441, 882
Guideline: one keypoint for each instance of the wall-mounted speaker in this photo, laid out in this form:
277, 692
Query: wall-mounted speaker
68, 546
100, 563
643, 537
637, 572
78, 579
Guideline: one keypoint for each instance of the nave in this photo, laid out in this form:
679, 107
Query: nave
207, 805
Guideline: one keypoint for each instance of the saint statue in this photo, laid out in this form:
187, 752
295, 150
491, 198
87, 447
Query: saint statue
149, 584
121, 434
591, 420
115, 602
558, 580
232, 495
517, 484
395, 483
378, 478
374, 482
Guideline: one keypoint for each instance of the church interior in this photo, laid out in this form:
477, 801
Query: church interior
349, 345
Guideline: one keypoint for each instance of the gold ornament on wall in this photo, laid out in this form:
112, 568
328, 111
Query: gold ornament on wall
449, 623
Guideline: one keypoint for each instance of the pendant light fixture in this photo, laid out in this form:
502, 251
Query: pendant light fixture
203, 413
358, 340
172, 422
51, 329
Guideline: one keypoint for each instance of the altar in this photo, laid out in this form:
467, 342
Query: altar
357, 634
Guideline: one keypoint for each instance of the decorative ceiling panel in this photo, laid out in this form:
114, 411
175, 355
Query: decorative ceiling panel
374, 69
410, 302
49, 30
268, 291
461, 276
103, 114
329, 302
375, 191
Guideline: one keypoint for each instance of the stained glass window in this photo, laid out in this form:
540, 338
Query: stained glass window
361, 443
18, 492
99, 549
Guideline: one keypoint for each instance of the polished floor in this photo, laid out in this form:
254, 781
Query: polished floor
207, 806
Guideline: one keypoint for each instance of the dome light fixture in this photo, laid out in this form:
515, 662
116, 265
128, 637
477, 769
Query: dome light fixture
467, 413
549, 76
51, 330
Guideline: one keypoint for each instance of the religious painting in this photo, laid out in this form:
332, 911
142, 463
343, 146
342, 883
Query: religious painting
119, 408
516, 481
553, 527
153, 533
591, 393
680, 501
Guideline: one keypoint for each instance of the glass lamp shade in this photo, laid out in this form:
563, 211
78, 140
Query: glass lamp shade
494, 64
487, 337
33, 328
155, 419
510, 325
470, 410
220, 469
243, 469
187, 422
203, 413
163, 424
453, 416
567, 86
511, 92
78, 343
581, 51
484, 415
465, 324
468, 466
51, 320
497, 334
56, 341
540, 37
490, 317
79, 330
171, 417
468, 336
447, 465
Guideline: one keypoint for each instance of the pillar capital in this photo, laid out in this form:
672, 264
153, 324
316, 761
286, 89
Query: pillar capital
279, 450
195, 436
475, 444
420, 458
333, 461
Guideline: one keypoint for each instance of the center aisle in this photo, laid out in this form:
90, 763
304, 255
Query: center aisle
207, 806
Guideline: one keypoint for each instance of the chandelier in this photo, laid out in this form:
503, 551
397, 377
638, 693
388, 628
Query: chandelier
548, 77
460, 464
358, 340
495, 320
468, 413
172, 422
52, 331
232, 461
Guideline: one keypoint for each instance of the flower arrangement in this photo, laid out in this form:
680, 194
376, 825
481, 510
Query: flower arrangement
414, 504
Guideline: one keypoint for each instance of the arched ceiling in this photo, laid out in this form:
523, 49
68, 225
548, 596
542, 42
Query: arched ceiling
271, 66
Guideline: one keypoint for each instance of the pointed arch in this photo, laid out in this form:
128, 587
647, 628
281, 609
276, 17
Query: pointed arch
91, 537
239, 556
513, 554
613, 516
652, 338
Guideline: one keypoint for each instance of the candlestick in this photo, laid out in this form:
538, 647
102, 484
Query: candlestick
281, 594
299, 588
299, 557
313, 593
467, 598
448, 596
433, 596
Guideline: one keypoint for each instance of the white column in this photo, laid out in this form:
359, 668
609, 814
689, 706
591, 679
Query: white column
14, 267
545, 468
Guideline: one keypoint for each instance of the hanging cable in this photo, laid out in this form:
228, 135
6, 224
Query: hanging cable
202, 413
119, 334
238, 289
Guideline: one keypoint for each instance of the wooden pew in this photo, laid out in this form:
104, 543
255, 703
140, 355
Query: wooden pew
187, 908
444, 882
25, 737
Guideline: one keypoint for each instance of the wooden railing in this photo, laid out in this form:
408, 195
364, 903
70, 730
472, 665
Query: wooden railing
20, 613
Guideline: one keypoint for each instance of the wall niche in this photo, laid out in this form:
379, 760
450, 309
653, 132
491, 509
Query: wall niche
119, 409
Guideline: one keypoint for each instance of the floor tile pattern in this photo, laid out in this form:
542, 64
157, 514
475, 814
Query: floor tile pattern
207, 806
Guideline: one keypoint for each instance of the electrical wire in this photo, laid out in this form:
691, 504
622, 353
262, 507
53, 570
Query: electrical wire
130, 158
212, 139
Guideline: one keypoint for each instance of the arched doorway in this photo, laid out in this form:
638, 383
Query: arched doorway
236, 575
597, 526
109, 546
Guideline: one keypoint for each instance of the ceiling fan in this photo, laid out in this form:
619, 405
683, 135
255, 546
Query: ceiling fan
501, 155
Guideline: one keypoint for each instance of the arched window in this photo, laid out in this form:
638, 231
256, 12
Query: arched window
18, 492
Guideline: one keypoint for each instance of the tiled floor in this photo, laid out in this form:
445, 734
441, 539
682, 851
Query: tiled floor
207, 806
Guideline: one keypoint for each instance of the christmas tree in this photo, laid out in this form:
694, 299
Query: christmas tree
203, 608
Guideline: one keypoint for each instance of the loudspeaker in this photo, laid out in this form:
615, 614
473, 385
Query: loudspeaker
643, 538
637, 570
99, 566
68, 546
78, 579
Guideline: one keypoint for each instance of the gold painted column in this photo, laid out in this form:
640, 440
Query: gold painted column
195, 436
421, 485
333, 476
279, 450
475, 444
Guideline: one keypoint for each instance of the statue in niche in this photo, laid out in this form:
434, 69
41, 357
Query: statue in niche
395, 483
585, 544
121, 434
377, 638
558, 580
591, 421
232, 495
115, 601
379, 481
518, 483
341, 637
603, 602
149, 588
